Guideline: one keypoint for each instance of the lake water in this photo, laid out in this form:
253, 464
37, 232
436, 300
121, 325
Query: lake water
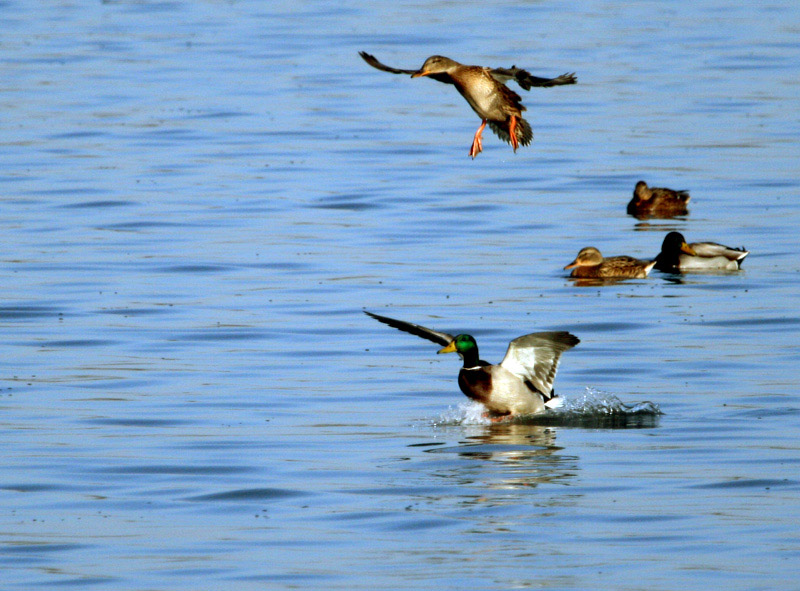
198, 199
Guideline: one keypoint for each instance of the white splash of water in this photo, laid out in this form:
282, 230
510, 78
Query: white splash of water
593, 404
465, 413
598, 403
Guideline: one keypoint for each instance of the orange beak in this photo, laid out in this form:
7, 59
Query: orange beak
572, 265
687, 249
419, 73
451, 348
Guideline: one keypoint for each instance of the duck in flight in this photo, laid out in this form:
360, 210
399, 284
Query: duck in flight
486, 92
521, 384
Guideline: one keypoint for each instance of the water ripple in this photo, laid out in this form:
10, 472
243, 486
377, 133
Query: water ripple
250, 494
745, 483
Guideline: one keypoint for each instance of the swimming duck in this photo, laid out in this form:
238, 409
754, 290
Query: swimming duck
486, 92
676, 255
657, 202
591, 264
522, 383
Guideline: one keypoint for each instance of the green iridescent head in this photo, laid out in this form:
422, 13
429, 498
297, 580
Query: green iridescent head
463, 344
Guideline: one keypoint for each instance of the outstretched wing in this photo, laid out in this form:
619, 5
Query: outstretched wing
534, 357
440, 338
526, 80
373, 61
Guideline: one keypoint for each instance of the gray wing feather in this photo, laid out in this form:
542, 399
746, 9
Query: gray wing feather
712, 249
534, 357
526, 80
524, 132
440, 338
373, 61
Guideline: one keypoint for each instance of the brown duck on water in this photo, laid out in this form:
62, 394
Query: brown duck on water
591, 264
657, 202
486, 92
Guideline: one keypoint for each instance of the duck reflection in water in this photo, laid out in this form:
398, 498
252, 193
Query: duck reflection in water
508, 456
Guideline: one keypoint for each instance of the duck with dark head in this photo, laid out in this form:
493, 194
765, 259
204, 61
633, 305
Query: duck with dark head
520, 384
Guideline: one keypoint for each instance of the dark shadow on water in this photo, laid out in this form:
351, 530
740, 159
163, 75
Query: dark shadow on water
768, 323
126, 422
99, 204
599, 421
598, 410
600, 282
26, 312
749, 483
249, 495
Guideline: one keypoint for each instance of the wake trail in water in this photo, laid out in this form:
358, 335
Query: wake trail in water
593, 409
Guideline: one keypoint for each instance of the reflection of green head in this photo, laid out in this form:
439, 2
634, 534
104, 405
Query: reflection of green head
465, 346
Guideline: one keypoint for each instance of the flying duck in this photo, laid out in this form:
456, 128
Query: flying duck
486, 92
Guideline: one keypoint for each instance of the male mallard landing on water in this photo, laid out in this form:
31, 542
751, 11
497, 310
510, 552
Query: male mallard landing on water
676, 255
520, 384
486, 92
657, 202
591, 264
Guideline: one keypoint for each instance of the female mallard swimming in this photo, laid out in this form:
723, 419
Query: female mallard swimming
486, 92
520, 384
591, 264
657, 202
676, 255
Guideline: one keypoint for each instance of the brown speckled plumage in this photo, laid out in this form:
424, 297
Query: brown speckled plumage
590, 264
657, 202
485, 91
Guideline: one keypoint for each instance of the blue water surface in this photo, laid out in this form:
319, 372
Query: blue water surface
198, 199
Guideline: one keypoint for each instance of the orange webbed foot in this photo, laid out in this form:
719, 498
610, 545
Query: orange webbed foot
512, 132
477, 142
